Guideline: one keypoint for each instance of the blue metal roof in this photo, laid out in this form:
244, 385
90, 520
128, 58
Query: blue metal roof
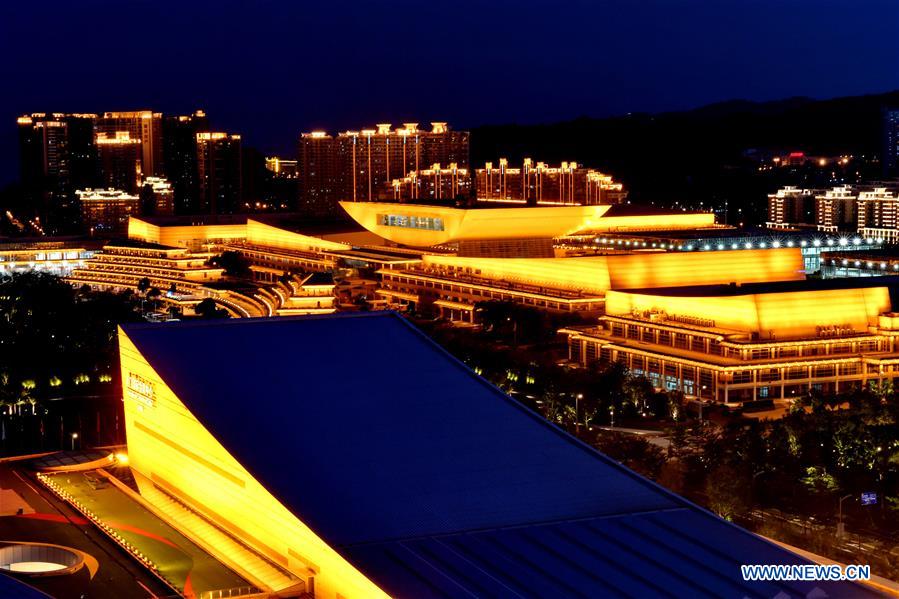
430, 480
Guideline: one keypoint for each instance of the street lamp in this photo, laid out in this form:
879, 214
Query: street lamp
577, 412
612, 416
703, 388
74, 437
840, 530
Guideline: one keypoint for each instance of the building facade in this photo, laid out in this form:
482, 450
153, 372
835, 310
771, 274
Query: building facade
106, 211
144, 126
219, 172
735, 344
539, 183
57, 156
362, 165
180, 158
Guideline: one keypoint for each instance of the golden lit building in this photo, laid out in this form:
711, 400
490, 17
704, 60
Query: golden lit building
106, 211
435, 183
190, 232
451, 286
55, 257
539, 183
362, 165
142, 128
120, 157
161, 196
748, 342
315, 483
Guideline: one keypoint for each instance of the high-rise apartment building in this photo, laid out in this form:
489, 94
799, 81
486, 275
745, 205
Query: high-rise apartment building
361, 165
435, 183
890, 157
836, 209
142, 125
792, 207
539, 183
180, 158
878, 214
57, 157
120, 159
219, 172
157, 197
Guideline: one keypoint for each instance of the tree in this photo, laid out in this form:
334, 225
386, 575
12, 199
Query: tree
235, 264
143, 285
728, 492
207, 308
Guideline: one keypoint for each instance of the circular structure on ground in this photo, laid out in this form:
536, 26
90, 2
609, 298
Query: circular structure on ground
39, 559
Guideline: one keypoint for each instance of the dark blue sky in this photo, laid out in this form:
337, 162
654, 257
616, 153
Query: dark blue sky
271, 69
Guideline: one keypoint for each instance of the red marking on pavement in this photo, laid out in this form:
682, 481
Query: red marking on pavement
56, 518
149, 592
188, 588
142, 532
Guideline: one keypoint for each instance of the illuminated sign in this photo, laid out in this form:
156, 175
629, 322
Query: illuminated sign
141, 390
428, 223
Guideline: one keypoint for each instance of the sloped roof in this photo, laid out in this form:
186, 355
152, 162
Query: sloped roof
430, 480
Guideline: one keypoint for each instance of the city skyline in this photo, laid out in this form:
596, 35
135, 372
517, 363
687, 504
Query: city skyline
609, 53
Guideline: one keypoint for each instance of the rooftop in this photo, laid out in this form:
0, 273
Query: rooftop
729, 290
431, 481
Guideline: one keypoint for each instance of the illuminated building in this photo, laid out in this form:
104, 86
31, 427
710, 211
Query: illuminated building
569, 183
435, 183
106, 211
121, 160
755, 341
361, 165
181, 275
219, 172
180, 158
836, 209
55, 257
422, 225
57, 156
878, 214
890, 155
142, 126
451, 286
157, 197
371, 485
189, 232
281, 167
791, 207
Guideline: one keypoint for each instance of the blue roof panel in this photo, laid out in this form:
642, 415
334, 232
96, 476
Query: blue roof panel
429, 479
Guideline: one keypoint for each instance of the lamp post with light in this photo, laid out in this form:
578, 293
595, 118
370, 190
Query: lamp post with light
74, 437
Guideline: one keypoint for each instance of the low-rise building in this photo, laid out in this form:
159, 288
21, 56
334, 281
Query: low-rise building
755, 341
106, 211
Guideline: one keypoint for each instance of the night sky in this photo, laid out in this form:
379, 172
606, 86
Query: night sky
269, 70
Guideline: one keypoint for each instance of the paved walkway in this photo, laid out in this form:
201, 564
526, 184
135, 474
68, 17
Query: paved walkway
187, 566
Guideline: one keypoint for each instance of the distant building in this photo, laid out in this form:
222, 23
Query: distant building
569, 183
878, 214
747, 342
106, 211
792, 207
836, 209
362, 165
435, 183
890, 156
157, 197
57, 157
219, 172
281, 167
145, 126
120, 159
180, 158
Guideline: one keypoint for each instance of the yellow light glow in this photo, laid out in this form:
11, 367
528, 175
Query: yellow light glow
170, 449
